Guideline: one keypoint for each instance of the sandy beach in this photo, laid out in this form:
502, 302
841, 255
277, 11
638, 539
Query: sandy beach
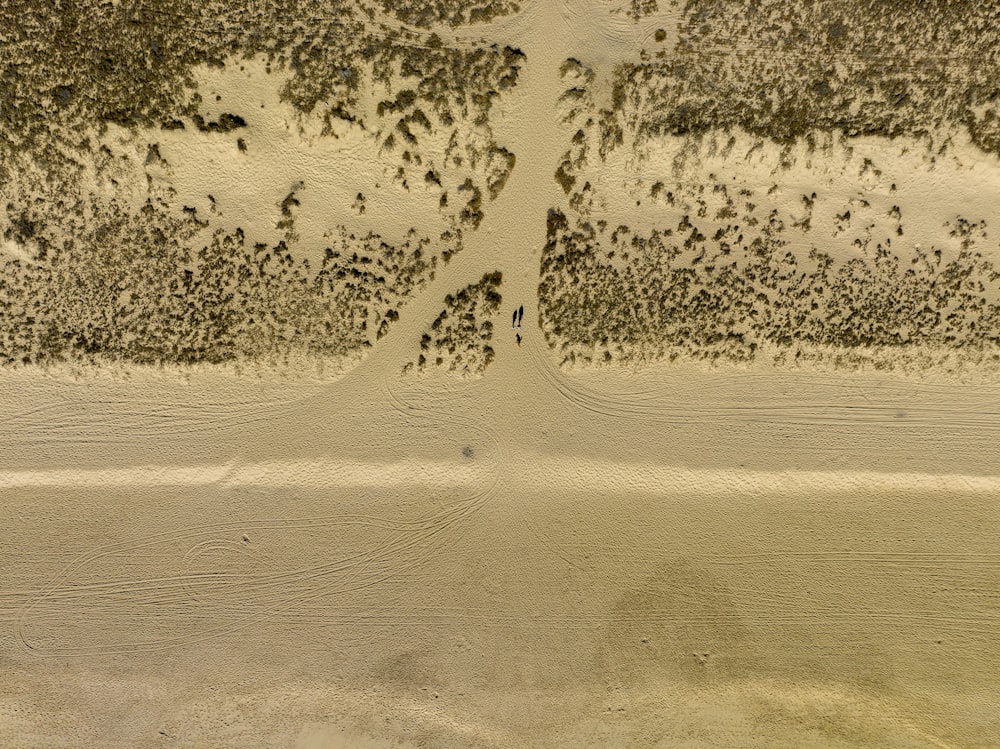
264, 526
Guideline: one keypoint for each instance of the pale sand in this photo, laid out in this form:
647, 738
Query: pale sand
680, 557
685, 617
326, 567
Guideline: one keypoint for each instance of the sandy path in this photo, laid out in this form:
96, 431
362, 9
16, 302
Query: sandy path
513, 231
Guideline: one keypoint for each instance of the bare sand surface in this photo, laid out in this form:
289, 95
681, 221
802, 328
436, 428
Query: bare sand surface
681, 556
702, 614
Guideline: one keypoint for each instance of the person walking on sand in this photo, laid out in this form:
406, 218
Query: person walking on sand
519, 340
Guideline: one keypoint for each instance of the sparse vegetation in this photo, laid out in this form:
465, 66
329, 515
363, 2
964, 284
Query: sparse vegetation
459, 338
642, 8
614, 295
131, 288
94, 278
717, 277
426, 13
781, 70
